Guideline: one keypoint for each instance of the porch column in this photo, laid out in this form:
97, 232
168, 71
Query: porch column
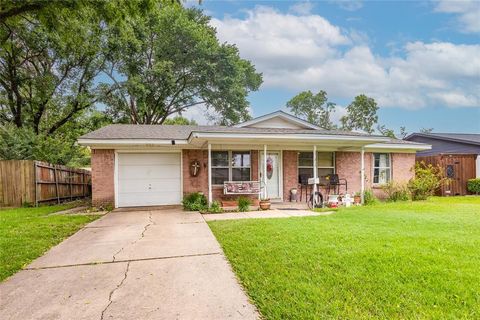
265, 171
362, 175
209, 173
315, 173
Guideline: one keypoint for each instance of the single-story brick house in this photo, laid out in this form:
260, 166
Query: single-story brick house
146, 165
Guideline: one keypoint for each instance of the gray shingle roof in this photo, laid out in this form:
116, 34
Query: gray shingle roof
181, 132
460, 137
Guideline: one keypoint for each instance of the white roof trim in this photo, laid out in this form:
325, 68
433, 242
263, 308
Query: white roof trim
156, 142
276, 136
399, 146
281, 114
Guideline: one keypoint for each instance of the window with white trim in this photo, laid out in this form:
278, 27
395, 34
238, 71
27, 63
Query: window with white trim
382, 168
325, 164
230, 166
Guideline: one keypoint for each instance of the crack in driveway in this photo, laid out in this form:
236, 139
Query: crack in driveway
123, 261
142, 235
110, 301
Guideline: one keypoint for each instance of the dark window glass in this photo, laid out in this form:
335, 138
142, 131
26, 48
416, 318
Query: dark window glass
219, 159
305, 159
381, 168
219, 175
240, 174
323, 172
240, 159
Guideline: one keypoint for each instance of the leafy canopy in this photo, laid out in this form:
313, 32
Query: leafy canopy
172, 61
361, 114
314, 108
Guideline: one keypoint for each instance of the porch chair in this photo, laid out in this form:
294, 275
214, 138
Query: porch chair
304, 186
334, 182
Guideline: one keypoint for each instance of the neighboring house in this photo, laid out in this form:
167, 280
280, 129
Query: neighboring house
144, 165
458, 154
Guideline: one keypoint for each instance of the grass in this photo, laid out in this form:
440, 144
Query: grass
410, 260
27, 233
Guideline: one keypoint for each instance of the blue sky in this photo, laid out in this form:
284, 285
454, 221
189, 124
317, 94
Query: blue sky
419, 59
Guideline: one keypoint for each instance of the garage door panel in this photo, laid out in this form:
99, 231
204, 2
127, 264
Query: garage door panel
142, 199
134, 159
148, 172
149, 179
160, 185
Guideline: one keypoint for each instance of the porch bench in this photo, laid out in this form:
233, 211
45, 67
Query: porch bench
241, 187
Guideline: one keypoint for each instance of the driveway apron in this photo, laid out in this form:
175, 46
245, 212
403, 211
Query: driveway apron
158, 264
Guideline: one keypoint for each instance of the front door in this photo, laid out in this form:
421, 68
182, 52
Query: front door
273, 174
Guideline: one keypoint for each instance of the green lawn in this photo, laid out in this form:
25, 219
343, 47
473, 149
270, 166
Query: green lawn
26, 233
407, 260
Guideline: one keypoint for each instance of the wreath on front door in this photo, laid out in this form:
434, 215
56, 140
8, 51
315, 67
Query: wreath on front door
269, 167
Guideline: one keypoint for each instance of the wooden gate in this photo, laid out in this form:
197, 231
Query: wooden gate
458, 168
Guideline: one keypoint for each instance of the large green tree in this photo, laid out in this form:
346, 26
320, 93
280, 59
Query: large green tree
361, 114
51, 53
314, 108
173, 61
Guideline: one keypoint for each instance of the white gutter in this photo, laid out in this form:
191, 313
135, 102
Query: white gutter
284, 136
398, 146
151, 142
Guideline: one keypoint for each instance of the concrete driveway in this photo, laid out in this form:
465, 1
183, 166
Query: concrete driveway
159, 264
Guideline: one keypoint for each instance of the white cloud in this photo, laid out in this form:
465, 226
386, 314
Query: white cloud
349, 5
302, 8
468, 12
308, 52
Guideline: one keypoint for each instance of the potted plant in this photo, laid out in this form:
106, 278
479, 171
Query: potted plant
229, 202
357, 199
265, 204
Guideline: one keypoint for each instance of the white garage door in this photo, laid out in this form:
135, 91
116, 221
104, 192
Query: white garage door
148, 179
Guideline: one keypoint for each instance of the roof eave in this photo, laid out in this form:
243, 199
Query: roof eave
426, 135
127, 142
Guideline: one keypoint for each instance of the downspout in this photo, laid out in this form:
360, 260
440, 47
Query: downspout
209, 174
362, 175
265, 170
315, 173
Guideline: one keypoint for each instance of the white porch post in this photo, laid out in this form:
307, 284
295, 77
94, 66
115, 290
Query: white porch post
315, 173
362, 175
265, 171
209, 173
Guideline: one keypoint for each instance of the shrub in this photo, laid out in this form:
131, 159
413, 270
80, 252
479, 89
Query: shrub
194, 202
215, 207
396, 191
369, 198
473, 185
427, 180
243, 204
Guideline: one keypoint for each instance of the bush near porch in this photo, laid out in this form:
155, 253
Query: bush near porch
399, 260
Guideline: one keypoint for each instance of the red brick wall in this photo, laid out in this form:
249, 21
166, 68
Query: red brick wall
103, 163
402, 164
200, 182
290, 173
348, 167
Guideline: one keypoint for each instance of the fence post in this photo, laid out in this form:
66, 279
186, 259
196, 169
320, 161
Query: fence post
56, 183
70, 178
36, 182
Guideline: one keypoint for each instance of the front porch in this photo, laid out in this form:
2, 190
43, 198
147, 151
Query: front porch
287, 168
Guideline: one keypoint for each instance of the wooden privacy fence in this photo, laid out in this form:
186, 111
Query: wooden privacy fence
33, 182
458, 168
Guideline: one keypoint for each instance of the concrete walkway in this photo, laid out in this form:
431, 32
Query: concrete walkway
161, 264
275, 213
